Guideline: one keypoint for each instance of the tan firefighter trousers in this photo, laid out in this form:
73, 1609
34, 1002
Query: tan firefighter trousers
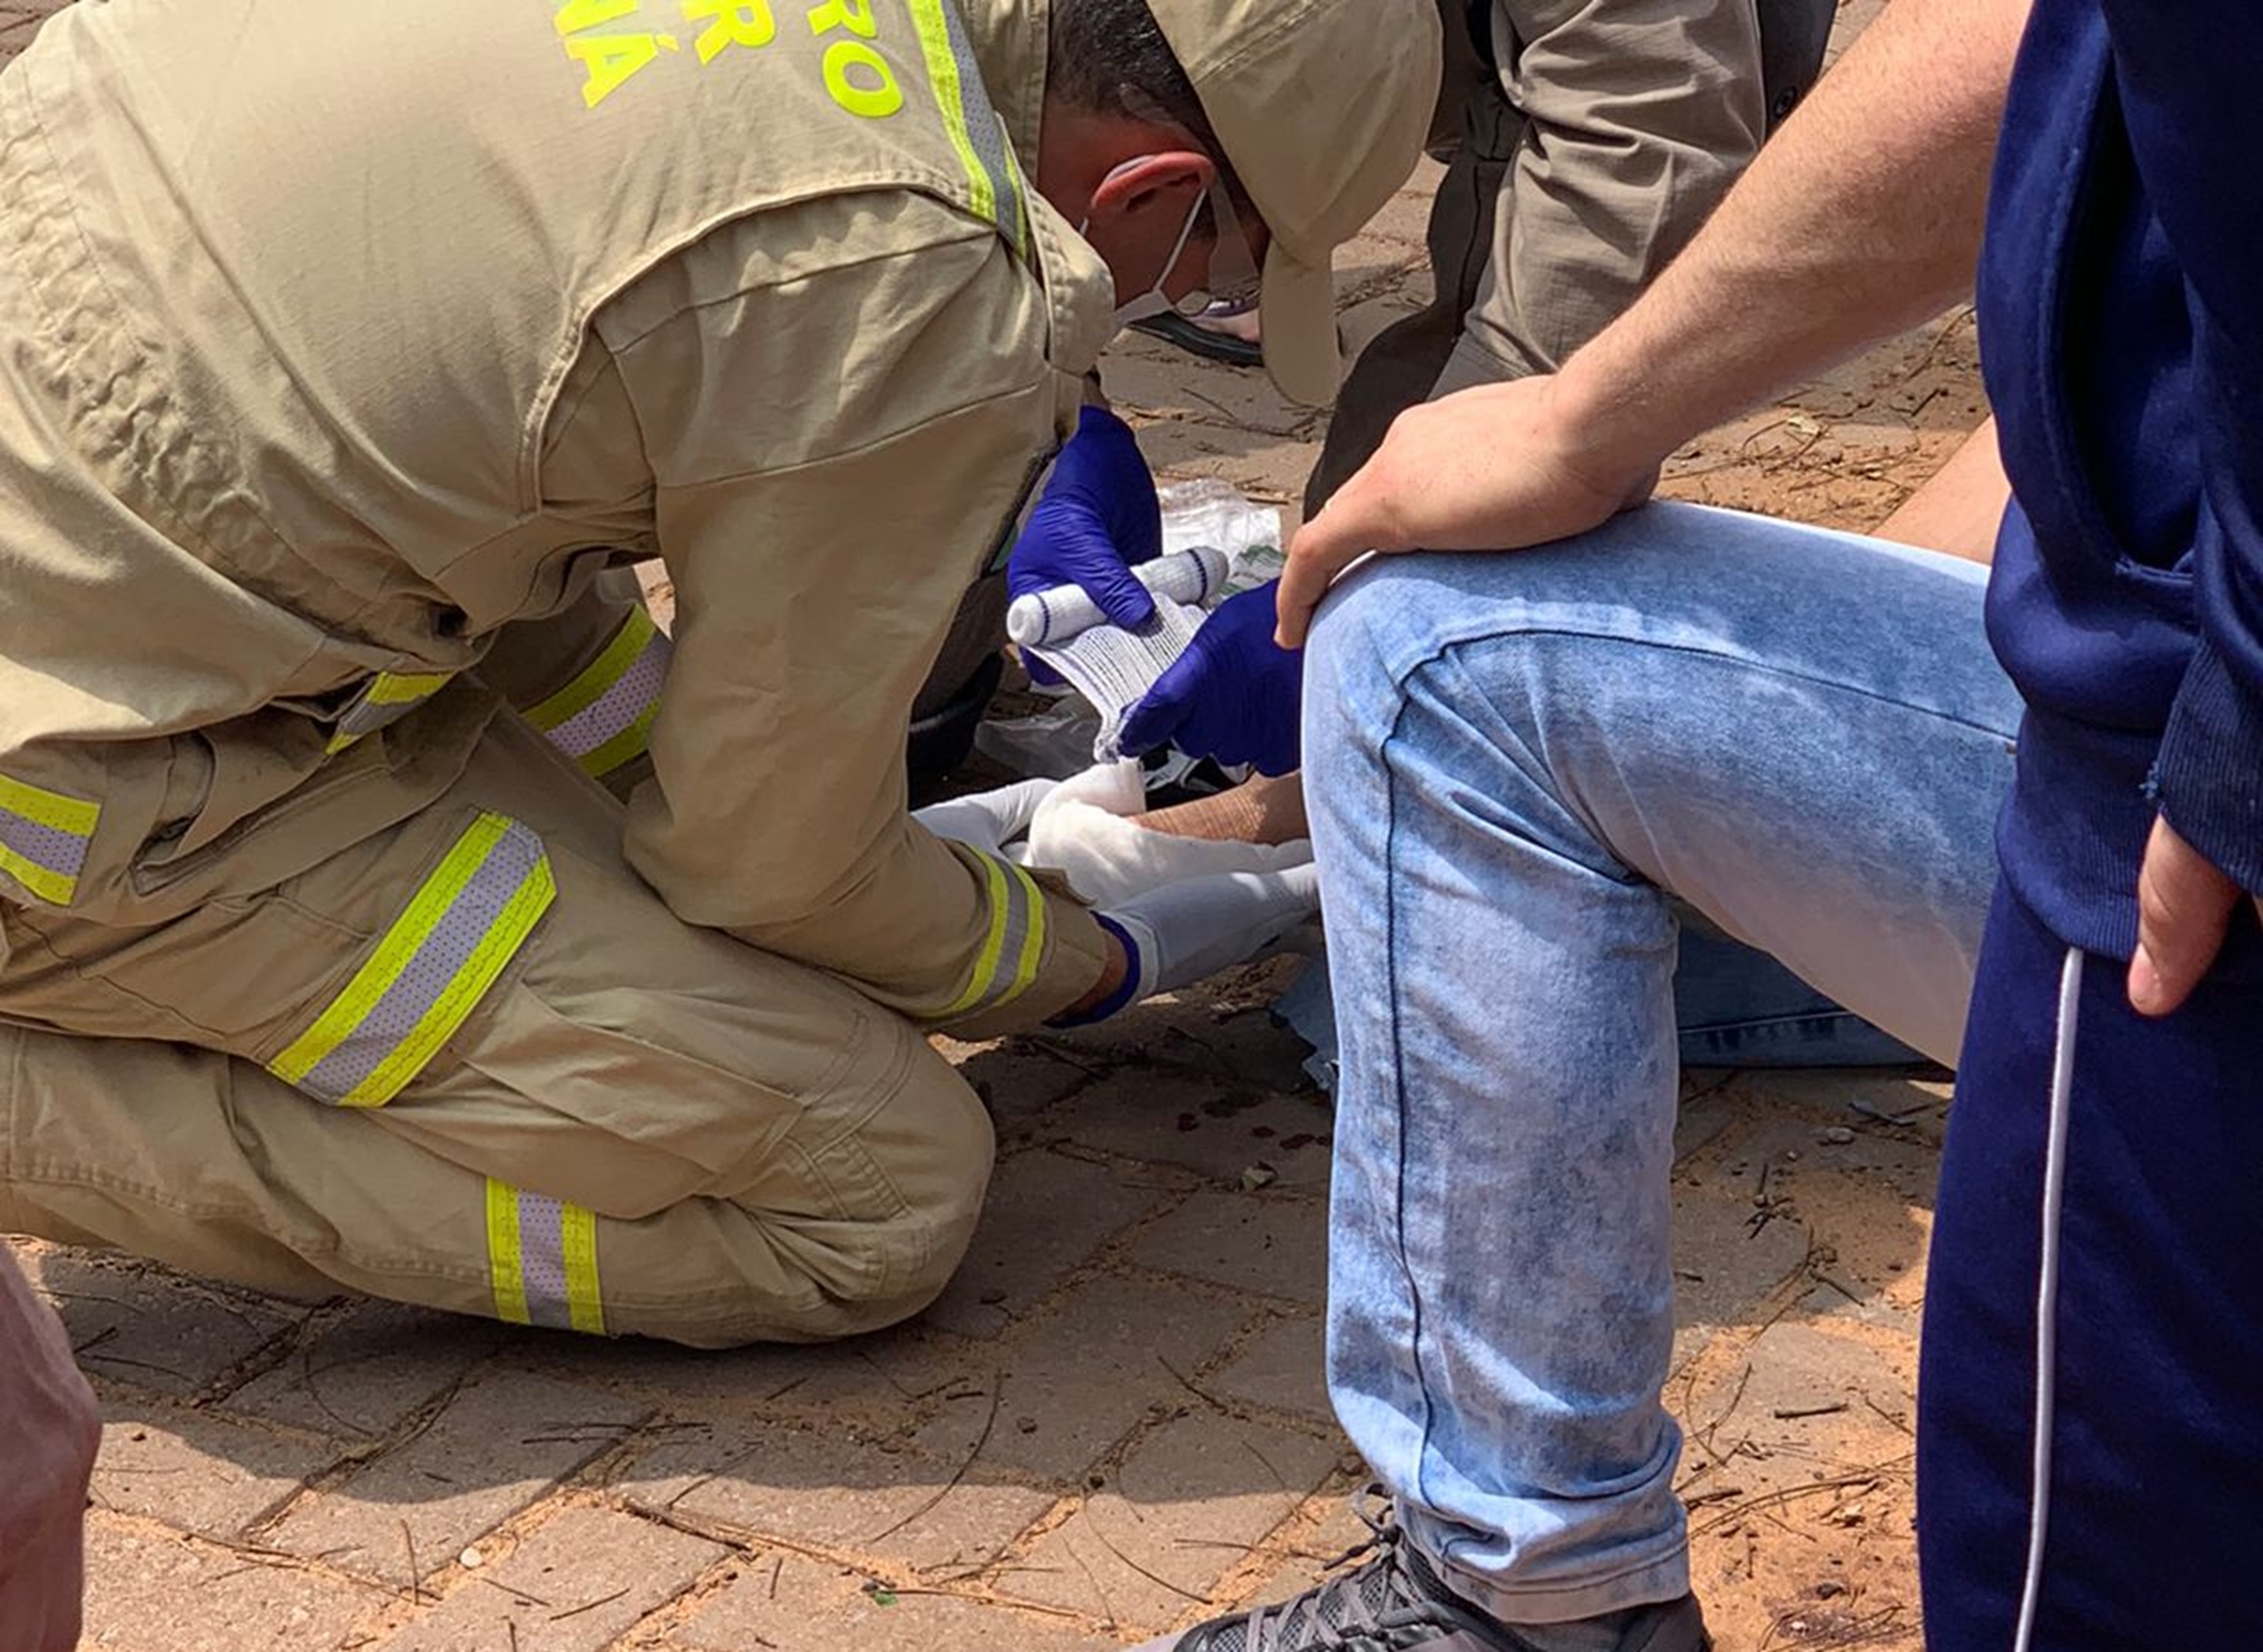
639, 1127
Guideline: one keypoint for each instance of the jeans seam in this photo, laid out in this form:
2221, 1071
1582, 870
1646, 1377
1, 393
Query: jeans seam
1441, 651
1398, 1074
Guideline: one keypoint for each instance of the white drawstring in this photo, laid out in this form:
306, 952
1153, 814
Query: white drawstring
2046, 1301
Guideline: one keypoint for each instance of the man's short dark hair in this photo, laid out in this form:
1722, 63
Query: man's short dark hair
1109, 57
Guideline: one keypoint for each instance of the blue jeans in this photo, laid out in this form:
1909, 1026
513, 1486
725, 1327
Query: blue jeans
1520, 769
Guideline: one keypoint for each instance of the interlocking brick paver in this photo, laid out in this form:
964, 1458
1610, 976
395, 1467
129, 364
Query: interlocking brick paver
1280, 1367
1045, 1216
1226, 1031
573, 1585
1271, 1245
365, 1373
821, 1489
203, 1473
1217, 1129
871, 1375
1181, 1513
503, 1441
1077, 1377
143, 1326
788, 1603
1015, 1078
150, 1592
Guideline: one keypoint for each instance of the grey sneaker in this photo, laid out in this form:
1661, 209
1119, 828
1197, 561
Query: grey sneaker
1394, 1602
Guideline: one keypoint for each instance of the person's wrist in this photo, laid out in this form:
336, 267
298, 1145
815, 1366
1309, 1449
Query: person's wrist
1118, 982
1613, 430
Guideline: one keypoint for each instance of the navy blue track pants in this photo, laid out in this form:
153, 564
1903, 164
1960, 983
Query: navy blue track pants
2153, 1502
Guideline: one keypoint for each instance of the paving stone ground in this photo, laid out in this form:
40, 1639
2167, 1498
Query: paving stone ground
1114, 1422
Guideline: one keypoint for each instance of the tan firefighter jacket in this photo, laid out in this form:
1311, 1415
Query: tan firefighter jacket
335, 338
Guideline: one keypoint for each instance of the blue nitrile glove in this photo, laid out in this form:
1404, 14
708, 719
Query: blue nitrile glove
1096, 520
1234, 695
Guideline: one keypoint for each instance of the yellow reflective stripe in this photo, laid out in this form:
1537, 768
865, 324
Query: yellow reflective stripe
527, 903
394, 953
429, 970
54, 809
542, 1261
502, 1254
387, 689
985, 963
1013, 947
943, 71
598, 675
1032, 943
631, 742
44, 838
584, 1303
55, 889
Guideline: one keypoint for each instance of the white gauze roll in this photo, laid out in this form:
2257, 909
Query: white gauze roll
1111, 667
1059, 612
1081, 831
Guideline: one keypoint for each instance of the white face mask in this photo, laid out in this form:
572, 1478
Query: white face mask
1154, 301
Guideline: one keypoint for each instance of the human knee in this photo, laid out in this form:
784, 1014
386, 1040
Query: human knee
878, 1221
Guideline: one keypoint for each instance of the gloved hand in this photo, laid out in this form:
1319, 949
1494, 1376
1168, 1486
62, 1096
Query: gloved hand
1097, 519
1189, 931
987, 820
1234, 695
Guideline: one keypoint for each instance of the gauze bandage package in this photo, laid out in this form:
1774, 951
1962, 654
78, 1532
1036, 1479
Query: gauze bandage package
1215, 543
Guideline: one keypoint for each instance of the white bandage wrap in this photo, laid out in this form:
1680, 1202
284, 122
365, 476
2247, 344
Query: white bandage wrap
1081, 831
1111, 667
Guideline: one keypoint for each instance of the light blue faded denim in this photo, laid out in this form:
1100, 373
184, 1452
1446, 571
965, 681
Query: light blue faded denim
1521, 769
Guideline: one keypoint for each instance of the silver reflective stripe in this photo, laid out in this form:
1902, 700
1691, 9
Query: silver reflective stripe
986, 132
47, 847
620, 708
428, 971
44, 840
384, 700
542, 1261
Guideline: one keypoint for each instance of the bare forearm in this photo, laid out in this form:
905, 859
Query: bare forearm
1264, 810
1861, 219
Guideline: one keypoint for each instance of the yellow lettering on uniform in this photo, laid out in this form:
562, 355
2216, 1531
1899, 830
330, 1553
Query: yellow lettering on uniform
577, 15
609, 62
853, 15
875, 101
737, 23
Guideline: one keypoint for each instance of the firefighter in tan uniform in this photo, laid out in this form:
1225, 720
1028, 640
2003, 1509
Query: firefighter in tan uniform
353, 352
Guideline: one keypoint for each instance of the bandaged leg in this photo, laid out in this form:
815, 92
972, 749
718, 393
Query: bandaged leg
1085, 830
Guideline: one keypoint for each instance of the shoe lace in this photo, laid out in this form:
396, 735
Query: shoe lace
1333, 1614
